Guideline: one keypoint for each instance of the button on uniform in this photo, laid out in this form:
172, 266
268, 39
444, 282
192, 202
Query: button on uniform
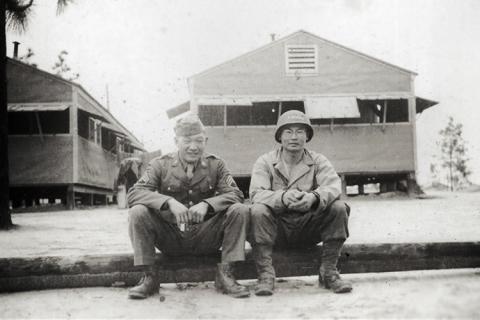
190, 191
190, 203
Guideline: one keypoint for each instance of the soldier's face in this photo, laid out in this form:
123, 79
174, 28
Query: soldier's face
190, 148
294, 137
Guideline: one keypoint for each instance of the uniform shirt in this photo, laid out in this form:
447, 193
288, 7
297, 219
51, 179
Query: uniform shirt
313, 173
166, 178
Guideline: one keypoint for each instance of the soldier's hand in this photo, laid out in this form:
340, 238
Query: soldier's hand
304, 204
178, 210
197, 213
292, 196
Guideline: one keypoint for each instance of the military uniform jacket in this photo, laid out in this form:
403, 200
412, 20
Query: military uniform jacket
313, 173
165, 178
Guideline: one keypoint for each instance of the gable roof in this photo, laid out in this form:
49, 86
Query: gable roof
328, 42
98, 106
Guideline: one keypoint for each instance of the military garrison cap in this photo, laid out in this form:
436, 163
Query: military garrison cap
189, 126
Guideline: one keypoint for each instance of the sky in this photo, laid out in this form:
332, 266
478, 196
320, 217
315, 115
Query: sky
145, 50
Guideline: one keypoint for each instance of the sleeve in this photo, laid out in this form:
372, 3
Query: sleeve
145, 190
226, 189
329, 184
261, 186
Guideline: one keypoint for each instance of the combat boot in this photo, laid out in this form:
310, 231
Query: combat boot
262, 255
225, 282
334, 282
328, 275
147, 286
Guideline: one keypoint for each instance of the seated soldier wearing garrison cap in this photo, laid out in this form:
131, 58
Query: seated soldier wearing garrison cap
295, 194
187, 202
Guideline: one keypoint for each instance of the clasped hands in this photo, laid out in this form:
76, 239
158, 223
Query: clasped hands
299, 201
195, 214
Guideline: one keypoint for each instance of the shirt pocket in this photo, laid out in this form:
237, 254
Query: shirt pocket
206, 189
172, 188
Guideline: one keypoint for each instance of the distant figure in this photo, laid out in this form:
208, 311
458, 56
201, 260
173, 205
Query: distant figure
132, 168
129, 172
295, 194
187, 202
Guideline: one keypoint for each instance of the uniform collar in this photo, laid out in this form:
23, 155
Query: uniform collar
177, 161
302, 167
306, 157
179, 169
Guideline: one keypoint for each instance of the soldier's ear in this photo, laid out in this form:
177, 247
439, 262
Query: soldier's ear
206, 140
175, 139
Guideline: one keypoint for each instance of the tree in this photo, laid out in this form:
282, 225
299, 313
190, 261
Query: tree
62, 69
26, 58
15, 17
453, 154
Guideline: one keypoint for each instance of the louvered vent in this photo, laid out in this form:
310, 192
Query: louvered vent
301, 59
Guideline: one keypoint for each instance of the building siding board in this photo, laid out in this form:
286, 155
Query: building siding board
25, 84
263, 73
39, 161
96, 167
351, 149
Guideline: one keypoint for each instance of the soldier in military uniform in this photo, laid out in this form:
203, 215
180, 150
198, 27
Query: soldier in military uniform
295, 194
187, 202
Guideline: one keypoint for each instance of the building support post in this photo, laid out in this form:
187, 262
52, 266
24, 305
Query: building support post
411, 184
361, 189
73, 131
224, 119
383, 187
70, 197
412, 117
384, 119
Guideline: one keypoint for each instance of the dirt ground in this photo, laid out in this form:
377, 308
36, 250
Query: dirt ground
443, 216
414, 294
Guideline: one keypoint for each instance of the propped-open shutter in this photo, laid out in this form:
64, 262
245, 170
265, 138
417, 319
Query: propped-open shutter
331, 107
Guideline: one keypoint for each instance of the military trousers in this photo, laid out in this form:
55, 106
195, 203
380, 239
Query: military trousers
296, 230
150, 229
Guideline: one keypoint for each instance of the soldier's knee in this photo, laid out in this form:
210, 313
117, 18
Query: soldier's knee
137, 213
238, 211
339, 209
260, 212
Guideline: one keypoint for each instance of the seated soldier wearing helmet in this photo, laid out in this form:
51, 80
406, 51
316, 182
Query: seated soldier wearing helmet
295, 194
193, 188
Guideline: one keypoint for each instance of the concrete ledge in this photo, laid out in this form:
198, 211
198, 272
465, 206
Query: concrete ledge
21, 274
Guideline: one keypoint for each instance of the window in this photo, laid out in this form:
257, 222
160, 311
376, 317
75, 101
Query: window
301, 59
265, 113
292, 105
239, 115
211, 115
36, 122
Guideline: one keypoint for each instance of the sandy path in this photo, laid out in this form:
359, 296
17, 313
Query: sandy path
414, 294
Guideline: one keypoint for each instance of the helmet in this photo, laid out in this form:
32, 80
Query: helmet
293, 117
